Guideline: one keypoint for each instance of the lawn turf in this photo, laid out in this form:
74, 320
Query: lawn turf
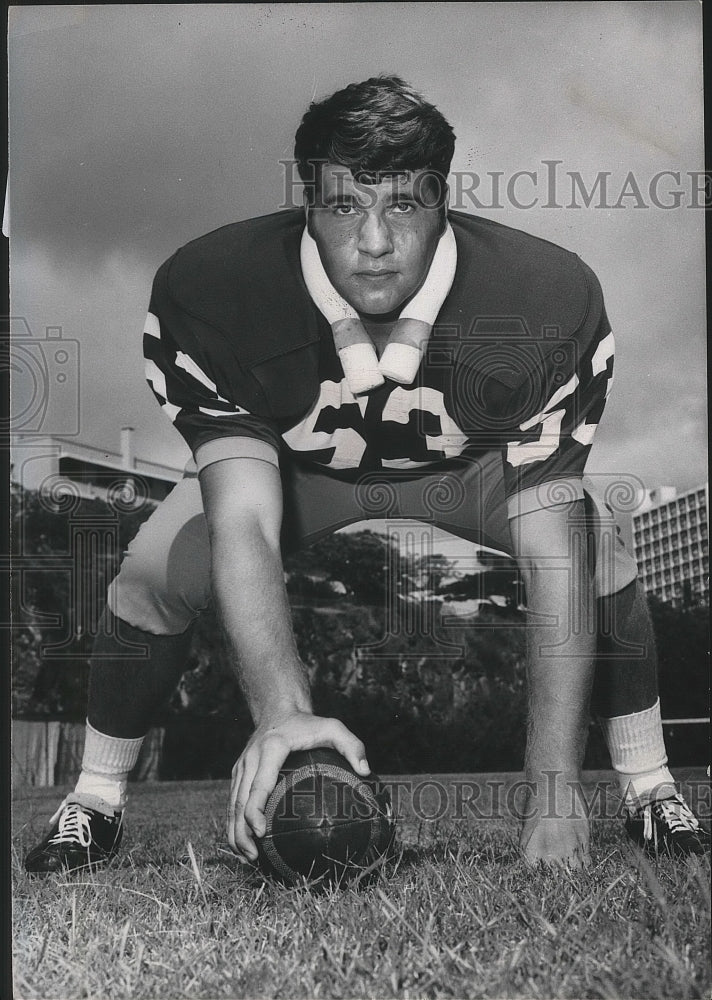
456, 914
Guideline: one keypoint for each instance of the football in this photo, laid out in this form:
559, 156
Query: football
324, 822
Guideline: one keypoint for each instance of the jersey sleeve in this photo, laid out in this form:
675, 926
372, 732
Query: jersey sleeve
183, 376
557, 413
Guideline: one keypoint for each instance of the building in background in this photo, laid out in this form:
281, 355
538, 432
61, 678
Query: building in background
55, 466
670, 543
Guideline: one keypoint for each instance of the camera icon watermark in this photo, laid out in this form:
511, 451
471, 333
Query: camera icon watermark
498, 375
44, 381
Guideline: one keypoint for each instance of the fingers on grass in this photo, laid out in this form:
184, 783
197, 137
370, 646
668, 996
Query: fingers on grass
273, 755
232, 803
238, 833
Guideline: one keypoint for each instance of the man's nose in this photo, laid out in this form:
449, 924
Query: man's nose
374, 236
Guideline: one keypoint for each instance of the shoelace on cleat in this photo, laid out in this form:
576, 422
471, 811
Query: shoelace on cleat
673, 813
677, 815
74, 827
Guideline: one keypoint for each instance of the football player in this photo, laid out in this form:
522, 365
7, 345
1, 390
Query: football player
377, 340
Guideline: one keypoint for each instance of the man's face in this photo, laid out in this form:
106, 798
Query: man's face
376, 241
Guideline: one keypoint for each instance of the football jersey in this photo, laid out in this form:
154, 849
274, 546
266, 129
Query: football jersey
520, 359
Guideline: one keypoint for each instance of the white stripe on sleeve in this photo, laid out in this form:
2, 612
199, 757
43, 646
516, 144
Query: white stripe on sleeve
604, 351
152, 327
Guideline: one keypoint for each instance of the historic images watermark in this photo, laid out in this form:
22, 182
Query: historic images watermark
45, 411
548, 184
431, 799
44, 374
497, 359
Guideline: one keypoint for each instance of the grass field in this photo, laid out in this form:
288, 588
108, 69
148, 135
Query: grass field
456, 914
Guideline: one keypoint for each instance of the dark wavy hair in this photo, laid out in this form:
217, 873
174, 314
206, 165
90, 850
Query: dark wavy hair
376, 126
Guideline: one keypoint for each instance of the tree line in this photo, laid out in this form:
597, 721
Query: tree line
424, 689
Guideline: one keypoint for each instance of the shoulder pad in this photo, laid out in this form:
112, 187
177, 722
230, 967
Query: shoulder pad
243, 285
519, 296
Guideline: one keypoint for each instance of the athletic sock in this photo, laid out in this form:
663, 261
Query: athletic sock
635, 743
132, 674
106, 764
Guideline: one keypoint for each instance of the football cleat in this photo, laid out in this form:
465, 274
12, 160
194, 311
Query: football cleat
667, 827
79, 837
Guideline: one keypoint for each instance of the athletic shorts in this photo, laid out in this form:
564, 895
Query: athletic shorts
164, 580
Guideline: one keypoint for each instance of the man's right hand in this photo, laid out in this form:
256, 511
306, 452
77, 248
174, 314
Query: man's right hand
243, 508
255, 773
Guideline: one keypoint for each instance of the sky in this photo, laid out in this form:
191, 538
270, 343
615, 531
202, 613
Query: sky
136, 128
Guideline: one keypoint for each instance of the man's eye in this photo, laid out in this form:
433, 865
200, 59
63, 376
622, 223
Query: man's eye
403, 208
345, 210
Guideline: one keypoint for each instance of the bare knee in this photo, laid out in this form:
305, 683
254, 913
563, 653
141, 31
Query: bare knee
161, 586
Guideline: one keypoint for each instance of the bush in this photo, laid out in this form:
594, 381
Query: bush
422, 697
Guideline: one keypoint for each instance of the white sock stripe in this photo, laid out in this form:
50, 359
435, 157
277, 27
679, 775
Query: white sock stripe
635, 742
639, 789
99, 791
637, 748
109, 755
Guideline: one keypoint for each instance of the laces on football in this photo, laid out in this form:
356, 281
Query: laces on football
74, 826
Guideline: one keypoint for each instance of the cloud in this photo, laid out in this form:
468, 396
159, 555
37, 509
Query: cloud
135, 128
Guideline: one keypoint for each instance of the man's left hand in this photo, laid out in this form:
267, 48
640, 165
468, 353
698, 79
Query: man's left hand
555, 841
556, 829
